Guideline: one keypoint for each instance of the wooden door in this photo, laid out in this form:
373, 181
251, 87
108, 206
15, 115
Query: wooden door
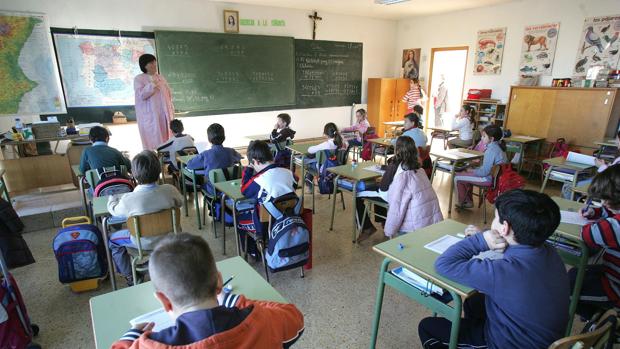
530, 111
400, 110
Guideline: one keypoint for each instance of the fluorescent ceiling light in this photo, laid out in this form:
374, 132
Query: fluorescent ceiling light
389, 2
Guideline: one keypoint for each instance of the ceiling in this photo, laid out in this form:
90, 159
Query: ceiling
368, 8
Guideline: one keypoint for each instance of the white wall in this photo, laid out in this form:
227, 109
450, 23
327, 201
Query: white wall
460, 29
201, 15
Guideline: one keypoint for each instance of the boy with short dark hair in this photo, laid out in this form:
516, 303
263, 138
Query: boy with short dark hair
100, 154
216, 157
147, 197
189, 286
601, 283
524, 296
282, 130
177, 142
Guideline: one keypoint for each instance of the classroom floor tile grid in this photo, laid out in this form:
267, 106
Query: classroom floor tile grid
337, 296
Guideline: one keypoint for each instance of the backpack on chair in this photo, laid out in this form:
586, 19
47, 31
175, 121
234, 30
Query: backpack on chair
112, 181
326, 178
508, 179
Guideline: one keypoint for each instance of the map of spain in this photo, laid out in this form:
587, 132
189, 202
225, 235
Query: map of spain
29, 82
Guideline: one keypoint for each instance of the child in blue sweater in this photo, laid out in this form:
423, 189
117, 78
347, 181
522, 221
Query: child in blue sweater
523, 297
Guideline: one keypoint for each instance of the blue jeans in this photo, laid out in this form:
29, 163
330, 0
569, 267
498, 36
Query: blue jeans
119, 241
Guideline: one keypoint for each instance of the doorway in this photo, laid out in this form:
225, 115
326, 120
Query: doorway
447, 79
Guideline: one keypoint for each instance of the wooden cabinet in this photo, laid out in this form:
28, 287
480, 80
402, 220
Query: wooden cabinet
385, 101
581, 115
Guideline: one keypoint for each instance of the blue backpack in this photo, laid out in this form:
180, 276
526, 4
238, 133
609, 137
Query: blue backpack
326, 178
80, 253
289, 239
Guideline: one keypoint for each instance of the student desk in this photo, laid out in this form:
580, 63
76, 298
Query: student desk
572, 233
301, 149
561, 163
231, 189
392, 126
582, 189
100, 210
183, 160
443, 133
357, 174
422, 262
80, 177
110, 313
453, 155
193, 177
4, 192
522, 142
383, 142
603, 145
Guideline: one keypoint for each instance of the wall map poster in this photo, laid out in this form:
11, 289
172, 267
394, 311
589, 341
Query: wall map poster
489, 51
538, 49
599, 44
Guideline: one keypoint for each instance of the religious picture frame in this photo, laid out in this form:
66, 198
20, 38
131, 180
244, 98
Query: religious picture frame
231, 21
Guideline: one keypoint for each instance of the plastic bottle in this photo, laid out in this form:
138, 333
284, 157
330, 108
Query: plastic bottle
354, 164
19, 126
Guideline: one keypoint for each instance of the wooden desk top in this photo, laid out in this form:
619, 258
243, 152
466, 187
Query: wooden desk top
303, 147
51, 139
381, 141
232, 189
523, 139
458, 154
561, 162
359, 173
607, 143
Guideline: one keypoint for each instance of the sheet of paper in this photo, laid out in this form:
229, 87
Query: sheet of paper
442, 244
581, 158
572, 218
161, 319
417, 281
463, 154
375, 168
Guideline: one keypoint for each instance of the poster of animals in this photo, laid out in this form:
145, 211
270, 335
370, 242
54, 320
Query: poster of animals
489, 51
599, 44
538, 49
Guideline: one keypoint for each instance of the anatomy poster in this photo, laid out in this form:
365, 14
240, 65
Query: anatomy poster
538, 49
489, 51
599, 44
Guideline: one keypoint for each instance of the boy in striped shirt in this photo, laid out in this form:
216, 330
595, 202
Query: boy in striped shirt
601, 284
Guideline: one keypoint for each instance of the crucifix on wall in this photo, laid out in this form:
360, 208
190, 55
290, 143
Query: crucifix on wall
314, 17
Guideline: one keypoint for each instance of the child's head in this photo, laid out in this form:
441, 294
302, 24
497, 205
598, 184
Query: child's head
331, 131
412, 120
183, 272
418, 109
176, 126
259, 153
145, 167
360, 115
99, 134
406, 153
414, 83
606, 187
469, 112
148, 63
525, 217
493, 133
284, 120
215, 134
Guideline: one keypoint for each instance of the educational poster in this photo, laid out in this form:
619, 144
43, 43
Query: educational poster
29, 80
489, 51
538, 49
411, 63
599, 44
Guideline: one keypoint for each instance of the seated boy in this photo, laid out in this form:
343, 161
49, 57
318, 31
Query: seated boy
189, 286
264, 181
282, 130
177, 142
100, 154
216, 157
412, 130
147, 197
523, 299
601, 285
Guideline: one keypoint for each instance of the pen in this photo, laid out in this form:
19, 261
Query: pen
229, 280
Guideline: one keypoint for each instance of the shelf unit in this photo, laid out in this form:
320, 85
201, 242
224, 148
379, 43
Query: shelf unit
488, 111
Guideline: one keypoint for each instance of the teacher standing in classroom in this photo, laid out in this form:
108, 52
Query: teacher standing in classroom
154, 109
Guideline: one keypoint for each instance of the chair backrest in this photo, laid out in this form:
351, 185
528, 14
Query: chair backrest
600, 337
92, 176
495, 172
154, 224
188, 151
222, 175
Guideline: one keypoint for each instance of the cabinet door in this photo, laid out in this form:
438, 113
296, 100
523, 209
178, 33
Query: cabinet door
530, 111
400, 110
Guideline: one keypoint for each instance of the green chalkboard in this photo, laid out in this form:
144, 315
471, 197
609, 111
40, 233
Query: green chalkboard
328, 73
217, 72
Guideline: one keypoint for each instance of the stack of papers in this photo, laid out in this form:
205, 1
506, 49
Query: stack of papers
443, 243
161, 319
375, 168
416, 281
572, 218
581, 158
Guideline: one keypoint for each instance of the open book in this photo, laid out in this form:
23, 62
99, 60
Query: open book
161, 319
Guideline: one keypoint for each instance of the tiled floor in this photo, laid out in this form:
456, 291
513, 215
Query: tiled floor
337, 296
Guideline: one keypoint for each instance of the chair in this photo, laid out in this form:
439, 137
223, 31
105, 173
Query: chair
549, 150
288, 205
341, 155
599, 335
356, 150
483, 189
367, 202
175, 171
150, 225
445, 135
215, 176
162, 155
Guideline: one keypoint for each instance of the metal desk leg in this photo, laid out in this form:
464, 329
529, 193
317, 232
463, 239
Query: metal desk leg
237, 237
452, 185
456, 320
372, 151
183, 191
521, 155
223, 220
303, 181
434, 170
83, 194
574, 299
292, 161
196, 201
354, 205
572, 189
378, 303
331, 225
104, 230
544, 184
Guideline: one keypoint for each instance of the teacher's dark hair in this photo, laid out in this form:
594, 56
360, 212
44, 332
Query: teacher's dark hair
144, 60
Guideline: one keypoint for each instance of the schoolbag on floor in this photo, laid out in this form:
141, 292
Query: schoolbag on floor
80, 253
326, 178
112, 182
13, 332
508, 179
366, 153
288, 244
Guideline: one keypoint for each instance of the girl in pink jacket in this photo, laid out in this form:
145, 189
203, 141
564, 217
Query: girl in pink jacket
413, 203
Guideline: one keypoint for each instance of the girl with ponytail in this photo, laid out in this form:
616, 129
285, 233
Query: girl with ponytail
464, 122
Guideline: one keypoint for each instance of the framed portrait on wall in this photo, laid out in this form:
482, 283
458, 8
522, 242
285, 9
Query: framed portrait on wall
411, 63
231, 21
